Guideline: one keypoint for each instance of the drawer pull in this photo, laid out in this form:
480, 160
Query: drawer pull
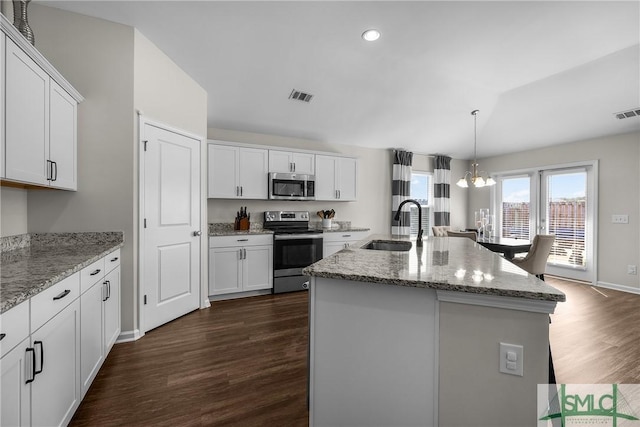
35, 371
114, 259
62, 294
33, 365
95, 272
243, 240
346, 235
2, 336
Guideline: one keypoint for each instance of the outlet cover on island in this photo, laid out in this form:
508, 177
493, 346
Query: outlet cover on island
511, 359
631, 269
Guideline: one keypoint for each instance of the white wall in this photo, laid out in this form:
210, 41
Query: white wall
373, 206
618, 193
13, 211
96, 56
118, 71
166, 94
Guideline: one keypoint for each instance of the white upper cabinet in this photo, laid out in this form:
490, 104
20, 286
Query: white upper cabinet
63, 115
336, 178
26, 118
237, 172
291, 161
39, 115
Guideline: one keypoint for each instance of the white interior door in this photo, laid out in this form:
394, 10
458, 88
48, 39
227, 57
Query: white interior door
171, 225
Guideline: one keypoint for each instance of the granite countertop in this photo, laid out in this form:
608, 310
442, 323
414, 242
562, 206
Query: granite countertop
32, 263
443, 263
226, 229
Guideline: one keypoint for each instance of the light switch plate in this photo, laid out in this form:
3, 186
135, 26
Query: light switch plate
620, 219
509, 366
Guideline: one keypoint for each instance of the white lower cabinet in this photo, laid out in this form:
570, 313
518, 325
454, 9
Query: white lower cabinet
55, 391
15, 396
336, 241
240, 263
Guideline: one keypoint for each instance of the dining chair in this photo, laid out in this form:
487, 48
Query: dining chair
440, 230
470, 234
535, 261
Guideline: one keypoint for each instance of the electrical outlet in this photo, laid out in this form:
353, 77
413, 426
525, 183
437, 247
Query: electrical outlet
620, 219
631, 269
511, 359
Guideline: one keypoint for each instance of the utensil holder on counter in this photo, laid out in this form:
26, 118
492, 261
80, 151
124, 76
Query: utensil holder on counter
326, 222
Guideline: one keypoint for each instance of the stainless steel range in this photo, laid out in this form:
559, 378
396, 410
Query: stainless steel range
295, 247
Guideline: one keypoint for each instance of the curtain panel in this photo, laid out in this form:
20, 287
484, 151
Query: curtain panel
441, 186
400, 191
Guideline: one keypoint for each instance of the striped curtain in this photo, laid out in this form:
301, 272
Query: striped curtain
441, 184
400, 191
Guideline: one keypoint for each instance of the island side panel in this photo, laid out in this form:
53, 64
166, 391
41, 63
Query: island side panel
472, 390
373, 354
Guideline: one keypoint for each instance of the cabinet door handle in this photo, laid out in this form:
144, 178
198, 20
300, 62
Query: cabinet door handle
54, 177
244, 254
48, 170
104, 291
241, 190
62, 294
33, 364
108, 289
35, 371
2, 336
294, 167
96, 272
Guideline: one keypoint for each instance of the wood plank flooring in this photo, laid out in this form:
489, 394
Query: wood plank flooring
243, 362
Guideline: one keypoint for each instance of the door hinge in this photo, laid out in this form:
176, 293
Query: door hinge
145, 300
145, 223
145, 145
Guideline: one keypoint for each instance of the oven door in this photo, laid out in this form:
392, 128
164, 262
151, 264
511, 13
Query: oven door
293, 252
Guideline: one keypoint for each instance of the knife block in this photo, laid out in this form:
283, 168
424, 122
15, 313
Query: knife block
242, 224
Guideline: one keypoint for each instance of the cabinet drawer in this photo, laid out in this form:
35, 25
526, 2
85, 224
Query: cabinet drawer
240, 240
112, 260
51, 301
14, 327
344, 236
91, 274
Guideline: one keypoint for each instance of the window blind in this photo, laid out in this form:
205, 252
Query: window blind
515, 220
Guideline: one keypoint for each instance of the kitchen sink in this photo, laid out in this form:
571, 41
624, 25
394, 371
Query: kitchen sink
388, 245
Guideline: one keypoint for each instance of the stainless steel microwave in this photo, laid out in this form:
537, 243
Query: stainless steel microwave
292, 186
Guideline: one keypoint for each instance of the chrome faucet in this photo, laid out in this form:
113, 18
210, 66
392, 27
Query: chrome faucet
397, 217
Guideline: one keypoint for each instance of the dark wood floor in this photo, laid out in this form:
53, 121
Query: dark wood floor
243, 363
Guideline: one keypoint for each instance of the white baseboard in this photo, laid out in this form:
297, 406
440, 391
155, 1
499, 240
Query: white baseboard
206, 303
128, 336
236, 295
617, 287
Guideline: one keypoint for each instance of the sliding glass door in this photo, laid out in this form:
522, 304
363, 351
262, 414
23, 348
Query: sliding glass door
558, 201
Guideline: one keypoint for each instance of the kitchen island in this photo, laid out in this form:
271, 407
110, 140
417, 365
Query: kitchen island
414, 337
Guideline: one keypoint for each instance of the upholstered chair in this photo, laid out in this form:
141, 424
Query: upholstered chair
470, 234
440, 230
535, 261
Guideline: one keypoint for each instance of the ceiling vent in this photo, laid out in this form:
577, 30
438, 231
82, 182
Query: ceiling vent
626, 114
300, 96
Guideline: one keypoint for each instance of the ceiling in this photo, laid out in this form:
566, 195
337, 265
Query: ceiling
541, 73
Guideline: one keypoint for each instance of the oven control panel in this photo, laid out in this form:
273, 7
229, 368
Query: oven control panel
271, 216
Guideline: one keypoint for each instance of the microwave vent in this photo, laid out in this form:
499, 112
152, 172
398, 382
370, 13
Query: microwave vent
300, 96
635, 112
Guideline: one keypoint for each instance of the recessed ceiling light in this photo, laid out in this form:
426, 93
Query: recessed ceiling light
371, 35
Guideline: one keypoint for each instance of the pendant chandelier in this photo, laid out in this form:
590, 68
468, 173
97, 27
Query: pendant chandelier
475, 177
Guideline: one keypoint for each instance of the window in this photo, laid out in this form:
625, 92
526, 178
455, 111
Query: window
515, 210
422, 192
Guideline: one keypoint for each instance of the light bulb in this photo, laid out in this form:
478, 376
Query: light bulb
490, 182
462, 183
478, 181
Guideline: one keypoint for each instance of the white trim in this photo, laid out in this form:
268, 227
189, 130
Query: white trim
128, 336
616, 287
39, 59
277, 148
238, 295
509, 303
204, 288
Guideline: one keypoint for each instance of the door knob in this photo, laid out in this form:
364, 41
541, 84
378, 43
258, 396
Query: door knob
197, 233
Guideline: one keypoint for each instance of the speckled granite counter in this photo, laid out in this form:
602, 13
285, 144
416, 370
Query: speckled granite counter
226, 229
31, 263
450, 264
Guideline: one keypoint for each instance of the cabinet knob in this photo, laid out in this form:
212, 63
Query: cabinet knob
197, 233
